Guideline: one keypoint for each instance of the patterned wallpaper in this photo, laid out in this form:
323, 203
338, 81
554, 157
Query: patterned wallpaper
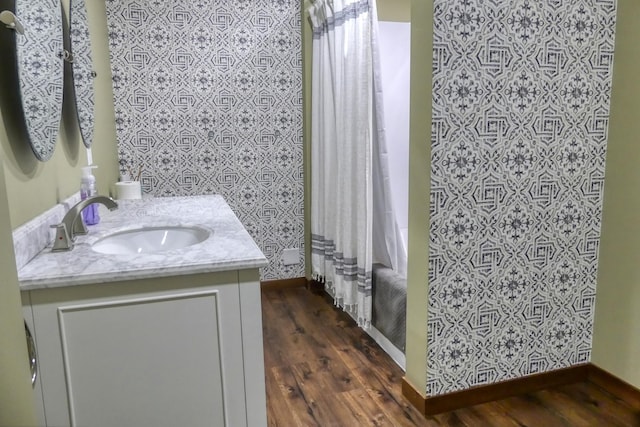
208, 99
521, 96
40, 73
83, 73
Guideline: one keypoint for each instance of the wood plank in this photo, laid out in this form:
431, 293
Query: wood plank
367, 411
486, 414
329, 374
275, 344
598, 400
300, 409
322, 370
289, 337
328, 409
279, 413
527, 410
314, 349
340, 335
450, 419
388, 399
615, 385
575, 412
358, 351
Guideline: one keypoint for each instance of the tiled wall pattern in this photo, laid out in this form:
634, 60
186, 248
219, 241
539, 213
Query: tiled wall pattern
208, 99
521, 97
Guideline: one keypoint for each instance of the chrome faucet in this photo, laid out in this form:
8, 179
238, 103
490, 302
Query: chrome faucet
73, 225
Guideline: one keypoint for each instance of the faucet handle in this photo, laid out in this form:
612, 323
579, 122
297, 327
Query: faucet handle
61, 242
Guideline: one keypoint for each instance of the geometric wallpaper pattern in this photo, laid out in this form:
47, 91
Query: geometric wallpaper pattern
208, 100
521, 93
82, 67
40, 71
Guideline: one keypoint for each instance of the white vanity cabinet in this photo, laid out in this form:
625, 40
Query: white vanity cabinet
170, 351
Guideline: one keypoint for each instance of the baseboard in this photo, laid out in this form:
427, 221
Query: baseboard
274, 285
501, 390
614, 385
411, 393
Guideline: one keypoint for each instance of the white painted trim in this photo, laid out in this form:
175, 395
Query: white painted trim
253, 347
393, 351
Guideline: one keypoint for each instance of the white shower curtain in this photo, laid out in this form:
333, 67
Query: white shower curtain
352, 221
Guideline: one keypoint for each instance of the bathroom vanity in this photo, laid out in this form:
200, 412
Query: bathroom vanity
165, 337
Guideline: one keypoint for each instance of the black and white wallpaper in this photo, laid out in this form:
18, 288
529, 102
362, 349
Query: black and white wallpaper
521, 95
83, 74
208, 99
40, 67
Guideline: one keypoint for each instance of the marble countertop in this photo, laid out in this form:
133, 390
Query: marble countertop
229, 246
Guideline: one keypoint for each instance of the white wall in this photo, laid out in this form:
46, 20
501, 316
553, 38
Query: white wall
395, 43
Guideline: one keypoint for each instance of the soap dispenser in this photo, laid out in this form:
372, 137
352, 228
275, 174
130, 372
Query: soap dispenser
90, 214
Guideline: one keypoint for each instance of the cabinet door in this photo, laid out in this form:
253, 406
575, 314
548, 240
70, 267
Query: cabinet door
148, 359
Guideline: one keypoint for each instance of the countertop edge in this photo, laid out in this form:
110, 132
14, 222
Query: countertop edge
60, 282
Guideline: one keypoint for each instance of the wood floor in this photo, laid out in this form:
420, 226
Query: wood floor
322, 370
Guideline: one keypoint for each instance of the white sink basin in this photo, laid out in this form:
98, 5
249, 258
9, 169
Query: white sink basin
150, 240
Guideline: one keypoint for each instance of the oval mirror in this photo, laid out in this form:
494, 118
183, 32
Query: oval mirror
40, 72
83, 74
